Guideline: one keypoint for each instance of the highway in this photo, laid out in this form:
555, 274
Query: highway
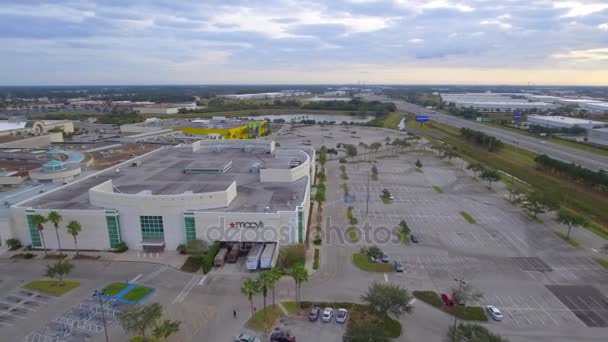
586, 159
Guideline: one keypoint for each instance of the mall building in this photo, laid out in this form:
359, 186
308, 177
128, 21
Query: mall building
213, 190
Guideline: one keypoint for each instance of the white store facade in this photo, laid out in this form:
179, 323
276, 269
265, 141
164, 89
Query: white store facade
228, 190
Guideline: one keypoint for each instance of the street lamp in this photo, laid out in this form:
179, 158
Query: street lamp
99, 295
460, 283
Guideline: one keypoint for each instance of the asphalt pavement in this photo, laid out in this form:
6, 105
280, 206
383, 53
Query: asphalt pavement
586, 159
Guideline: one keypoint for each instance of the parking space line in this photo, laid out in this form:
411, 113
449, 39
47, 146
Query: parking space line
11, 314
532, 309
516, 306
9, 324
19, 305
544, 310
580, 310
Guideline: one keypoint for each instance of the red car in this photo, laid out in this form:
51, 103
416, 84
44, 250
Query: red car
447, 299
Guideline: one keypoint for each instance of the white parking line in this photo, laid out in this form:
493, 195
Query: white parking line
517, 306
136, 278
200, 283
385, 278
533, 310
544, 310
186, 290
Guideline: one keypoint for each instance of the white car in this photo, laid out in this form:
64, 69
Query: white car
494, 312
245, 337
341, 315
328, 313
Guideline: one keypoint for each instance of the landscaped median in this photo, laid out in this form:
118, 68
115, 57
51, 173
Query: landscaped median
465, 313
363, 262
357, 314
127, 293
257, 322
52, 287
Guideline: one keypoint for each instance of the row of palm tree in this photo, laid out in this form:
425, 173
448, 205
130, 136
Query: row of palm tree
73, 227
372, 147
267, 280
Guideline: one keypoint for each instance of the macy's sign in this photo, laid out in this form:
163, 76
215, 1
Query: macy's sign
251, 225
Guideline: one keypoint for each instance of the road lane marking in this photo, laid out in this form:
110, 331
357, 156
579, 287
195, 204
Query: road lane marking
385, 278
200, 283
136, 278
186, 290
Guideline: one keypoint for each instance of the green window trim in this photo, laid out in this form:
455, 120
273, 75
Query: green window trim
151, 227
300, 225
113, 224
34, 233
190, 228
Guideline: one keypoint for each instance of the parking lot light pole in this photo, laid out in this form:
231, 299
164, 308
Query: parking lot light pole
367, 202
99, 294
460, 283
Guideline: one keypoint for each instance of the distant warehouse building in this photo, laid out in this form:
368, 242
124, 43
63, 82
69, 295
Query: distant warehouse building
493, 102
564, 122
598, 136
164, 108
240, 191
220, 126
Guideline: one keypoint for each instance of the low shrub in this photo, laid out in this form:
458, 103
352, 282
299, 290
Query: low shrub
317, 241
181, 248
13, 244
315, 264
208, 258
28, 256
121, 247
291, 255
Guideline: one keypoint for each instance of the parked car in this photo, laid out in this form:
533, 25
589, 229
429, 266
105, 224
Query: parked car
414, 238
385, 258
282, 336
341, 315
447, 299
391, 197
328, 313
494, 312
314, 314
246, 337
398, 266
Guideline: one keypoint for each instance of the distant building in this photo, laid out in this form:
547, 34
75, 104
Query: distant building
35, 126
164, 108
598, 136
266, 96
564, 122
218, 127
492, 102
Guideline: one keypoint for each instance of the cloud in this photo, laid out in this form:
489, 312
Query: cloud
496, 22
161, 41
580, 9
590, 55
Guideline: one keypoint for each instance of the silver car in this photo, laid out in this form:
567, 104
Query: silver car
328, 313
494, 312
341, 315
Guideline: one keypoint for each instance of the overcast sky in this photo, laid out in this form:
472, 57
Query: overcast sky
334, 41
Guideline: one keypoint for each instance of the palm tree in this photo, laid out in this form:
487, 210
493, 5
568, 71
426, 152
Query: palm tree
276, 276
250, 288
74, 228
55, 218
299, 275
265, 281
38, 220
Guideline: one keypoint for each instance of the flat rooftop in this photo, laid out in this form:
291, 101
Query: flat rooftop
565, 119
162, 173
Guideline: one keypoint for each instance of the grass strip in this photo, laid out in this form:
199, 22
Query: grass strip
257, 322
363, 262
114, 288
570, 240
438, 189
468, 217
52, 287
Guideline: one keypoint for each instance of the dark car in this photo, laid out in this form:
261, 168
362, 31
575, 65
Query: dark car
385, 258
281, 336
414, 238
398, 266
314, 314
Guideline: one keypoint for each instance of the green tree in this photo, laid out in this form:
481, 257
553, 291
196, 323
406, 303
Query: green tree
533, 204
472, 333
320, 194
39, 221
59, 270
74, 228
323, 155
466, 293
571, 219
139, 318
275, 275
55, 218
490, 176
387, 298
374, 170
265, 281
365, 332
404, 227
250, 288
476, 168
299, 275
166, 329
